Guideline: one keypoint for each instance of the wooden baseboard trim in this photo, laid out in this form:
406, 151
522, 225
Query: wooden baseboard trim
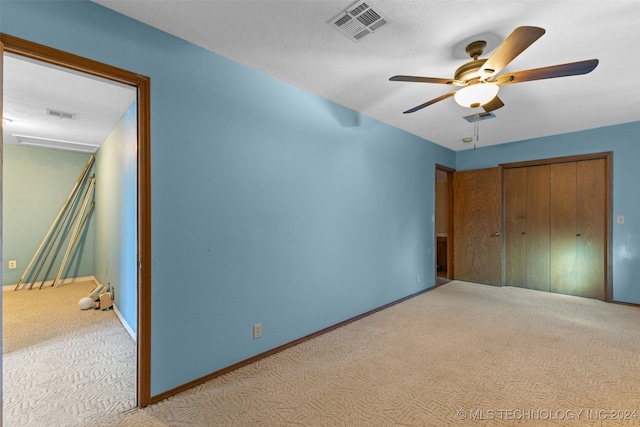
631, 304
201, 380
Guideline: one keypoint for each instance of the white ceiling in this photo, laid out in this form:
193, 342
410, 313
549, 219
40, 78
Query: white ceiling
292, 41
32, 87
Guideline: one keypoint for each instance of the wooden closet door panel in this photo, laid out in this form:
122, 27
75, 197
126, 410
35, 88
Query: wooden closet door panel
515, 227
591, 227
562, 225
538, 227
477, 252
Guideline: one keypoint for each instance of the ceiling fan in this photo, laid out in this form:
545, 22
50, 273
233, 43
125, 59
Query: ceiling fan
479, 79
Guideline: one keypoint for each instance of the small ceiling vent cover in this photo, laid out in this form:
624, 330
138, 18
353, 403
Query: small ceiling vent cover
60, 114
359, 21
481, 116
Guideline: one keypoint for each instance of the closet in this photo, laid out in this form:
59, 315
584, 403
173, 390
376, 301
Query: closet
556, 225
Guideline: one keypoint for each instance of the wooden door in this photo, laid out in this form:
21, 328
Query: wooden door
538, 227
563, 229
591, 226
567, 211
515, 227
476, 216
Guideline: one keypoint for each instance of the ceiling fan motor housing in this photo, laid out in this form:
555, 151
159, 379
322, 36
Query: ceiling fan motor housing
469, 71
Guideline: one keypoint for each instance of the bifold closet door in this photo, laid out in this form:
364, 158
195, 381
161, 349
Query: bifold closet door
591, 205
476, 219
515, 227
538, 227
563, 228
556, 227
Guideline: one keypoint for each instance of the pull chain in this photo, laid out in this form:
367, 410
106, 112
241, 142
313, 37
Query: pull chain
476, 133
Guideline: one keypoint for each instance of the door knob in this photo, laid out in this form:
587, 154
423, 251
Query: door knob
497, 234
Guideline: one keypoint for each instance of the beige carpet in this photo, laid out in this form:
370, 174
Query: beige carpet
63, 366
462, 354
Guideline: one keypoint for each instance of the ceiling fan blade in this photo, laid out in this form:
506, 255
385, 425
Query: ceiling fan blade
562, 70
417, 79
433, 101
520, 39
494, 104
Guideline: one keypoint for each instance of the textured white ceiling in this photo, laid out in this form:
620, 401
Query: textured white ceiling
32, 87
292, 41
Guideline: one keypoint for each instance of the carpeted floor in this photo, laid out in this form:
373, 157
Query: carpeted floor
63, 366
462, 354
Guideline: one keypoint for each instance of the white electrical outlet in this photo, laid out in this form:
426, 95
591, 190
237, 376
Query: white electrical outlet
417, 278
12, 264
620, 219
257, 330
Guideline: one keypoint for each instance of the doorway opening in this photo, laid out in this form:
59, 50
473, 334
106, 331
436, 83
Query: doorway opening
444, 225
141, 84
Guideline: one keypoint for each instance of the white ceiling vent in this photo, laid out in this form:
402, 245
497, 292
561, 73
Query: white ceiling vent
60, 114
359, 21
479, 117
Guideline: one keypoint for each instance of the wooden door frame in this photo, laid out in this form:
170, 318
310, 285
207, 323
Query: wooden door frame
1, 210
143, 86
608, 157
450, 230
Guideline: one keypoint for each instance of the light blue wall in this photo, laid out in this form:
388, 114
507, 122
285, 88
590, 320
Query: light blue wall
37, 181
624, 142
269, 205
115, 216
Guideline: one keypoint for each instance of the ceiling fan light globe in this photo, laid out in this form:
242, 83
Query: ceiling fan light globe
476, 95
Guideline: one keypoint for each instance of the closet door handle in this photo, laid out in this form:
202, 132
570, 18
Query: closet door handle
523, 233
497, 234
578, 235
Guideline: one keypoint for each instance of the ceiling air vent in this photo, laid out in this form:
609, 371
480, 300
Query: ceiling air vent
359, 21
480, 117
60, 114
